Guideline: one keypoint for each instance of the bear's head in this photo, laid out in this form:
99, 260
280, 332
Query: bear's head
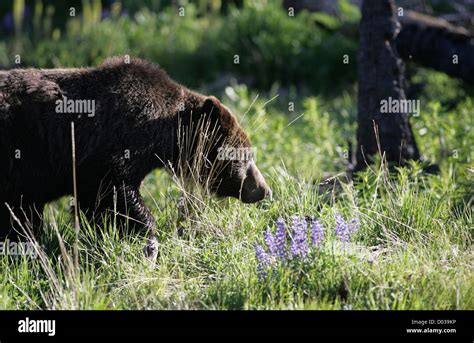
220, 154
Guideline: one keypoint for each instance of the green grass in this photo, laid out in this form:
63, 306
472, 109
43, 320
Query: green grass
412, 251
195, 48
414, 246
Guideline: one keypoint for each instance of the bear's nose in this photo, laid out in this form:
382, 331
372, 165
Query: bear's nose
254, 187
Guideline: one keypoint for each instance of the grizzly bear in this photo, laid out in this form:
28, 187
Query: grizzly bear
129, 119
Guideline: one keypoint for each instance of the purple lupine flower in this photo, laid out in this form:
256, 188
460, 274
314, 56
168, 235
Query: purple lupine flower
263, 261
345, 230
299, 242
316, 232
354, 225
341, 230
280, 239
270, 242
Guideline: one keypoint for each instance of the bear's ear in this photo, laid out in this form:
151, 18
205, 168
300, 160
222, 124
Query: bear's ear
214, 108
211, 106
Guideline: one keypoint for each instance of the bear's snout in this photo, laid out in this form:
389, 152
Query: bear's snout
254, 187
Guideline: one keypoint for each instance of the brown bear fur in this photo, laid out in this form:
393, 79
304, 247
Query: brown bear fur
139, 110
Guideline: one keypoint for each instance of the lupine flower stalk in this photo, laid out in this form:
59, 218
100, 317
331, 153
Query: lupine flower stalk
263, 261
299, 242
280, 239
341, 230
270, 242
344, 230
316, 232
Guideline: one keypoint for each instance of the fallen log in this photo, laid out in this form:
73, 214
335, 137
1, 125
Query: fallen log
429, 41
437, 44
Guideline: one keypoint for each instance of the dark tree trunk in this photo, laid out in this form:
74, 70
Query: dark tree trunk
326, 6
436, 44
381, 76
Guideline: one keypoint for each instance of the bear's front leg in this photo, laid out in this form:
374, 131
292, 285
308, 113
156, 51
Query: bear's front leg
126, 204
131, 207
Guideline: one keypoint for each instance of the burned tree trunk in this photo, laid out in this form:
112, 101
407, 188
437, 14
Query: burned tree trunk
326, 6
381, 79
227, 4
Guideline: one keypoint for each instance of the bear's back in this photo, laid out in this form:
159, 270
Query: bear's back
131, 100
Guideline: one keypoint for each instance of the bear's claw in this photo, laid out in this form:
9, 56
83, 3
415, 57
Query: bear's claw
151, 249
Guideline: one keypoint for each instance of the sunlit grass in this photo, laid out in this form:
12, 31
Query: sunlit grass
414, 246
413, 249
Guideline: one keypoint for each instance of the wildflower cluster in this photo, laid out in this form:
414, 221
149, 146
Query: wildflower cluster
296, 242
344, 230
